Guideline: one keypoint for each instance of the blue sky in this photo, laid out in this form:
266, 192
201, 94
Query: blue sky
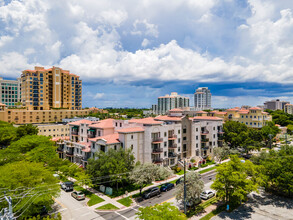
129, 53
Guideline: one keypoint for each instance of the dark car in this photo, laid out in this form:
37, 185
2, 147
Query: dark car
180, 180
166, 187
154, 191
67, 186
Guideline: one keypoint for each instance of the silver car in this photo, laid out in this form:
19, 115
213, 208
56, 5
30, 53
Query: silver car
78, 195
207, 194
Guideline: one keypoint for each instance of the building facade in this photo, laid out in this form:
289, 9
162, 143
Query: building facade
202, 99
24, 116
288, 108
54, 88
253, 117
53, 130
10, 92
168, 102
164, 140
275, 104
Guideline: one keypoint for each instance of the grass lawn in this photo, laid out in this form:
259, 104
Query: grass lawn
201, 207
181, 172
207, 170
94, 199
108, 206
125, 201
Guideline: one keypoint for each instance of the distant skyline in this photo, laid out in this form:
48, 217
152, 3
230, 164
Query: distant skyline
128, 54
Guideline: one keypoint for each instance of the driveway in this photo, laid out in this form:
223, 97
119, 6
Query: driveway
263, 206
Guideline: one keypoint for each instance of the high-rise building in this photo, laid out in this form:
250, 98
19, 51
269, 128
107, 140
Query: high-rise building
168, 102
202, 98
275, 104
54, 88
288, 108
9, 92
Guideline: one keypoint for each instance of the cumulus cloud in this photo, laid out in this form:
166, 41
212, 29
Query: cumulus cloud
99, 95
202, 41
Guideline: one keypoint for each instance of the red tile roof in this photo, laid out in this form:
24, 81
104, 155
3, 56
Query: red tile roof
1, 104
110, 139
243, 111
130, 130
60, 138
255, 108
206, 118
221, 113
176, 110
147, 121
167, 118
107, 123
233, 109
83, 121
201, 112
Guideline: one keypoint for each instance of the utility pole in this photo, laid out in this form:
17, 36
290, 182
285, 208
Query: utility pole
184, 187
8, 214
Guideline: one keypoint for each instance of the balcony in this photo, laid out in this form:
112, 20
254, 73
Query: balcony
172, 146
172, 137
220, 138
204, 132
157, 160
69, 153
172, 155
60, 148
220, 132
85, 158
204, 140
157, 150
157, 140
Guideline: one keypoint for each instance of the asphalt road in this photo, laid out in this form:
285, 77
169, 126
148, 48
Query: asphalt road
71, 209
166, 196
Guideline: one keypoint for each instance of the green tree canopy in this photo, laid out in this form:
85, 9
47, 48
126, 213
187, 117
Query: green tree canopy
111, 163
33, 185
27, 129
160, 211
235, 180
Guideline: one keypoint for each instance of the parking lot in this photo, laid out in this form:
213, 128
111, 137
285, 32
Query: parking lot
261, 206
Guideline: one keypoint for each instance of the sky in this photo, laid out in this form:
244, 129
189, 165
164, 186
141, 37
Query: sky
130, 52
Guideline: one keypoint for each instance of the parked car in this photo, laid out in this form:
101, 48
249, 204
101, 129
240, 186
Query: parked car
154, 191
180, 180
207, 194
192, 203
166, 187
78, 195
67, 186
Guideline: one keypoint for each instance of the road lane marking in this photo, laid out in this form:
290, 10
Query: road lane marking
167, 200
60, 203
121, 215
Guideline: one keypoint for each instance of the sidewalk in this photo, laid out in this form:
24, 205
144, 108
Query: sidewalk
119, 205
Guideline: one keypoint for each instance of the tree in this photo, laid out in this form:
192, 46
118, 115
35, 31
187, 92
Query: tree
110, 164
221, 153
145, 174
27, 129
269, 132
29, 184
194, 187
7, 134
234, 133
235, 180
160, 211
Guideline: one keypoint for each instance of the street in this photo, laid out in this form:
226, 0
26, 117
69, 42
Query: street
72, 209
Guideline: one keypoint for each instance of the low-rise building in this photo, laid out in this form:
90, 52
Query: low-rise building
24, 116
253, 117
68, 120
163, 140
53, 130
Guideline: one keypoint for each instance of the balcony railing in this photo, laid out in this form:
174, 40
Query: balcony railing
69, 153
74, 133
60, 148
220, 132
157, 140
173, 136
204, 140
91, 135
173, 145
172, 155
157, 160
157, 150
204, 132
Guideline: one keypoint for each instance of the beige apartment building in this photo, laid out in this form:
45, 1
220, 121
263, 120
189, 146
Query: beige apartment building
54, 88
288, 108
53, 130
24, 116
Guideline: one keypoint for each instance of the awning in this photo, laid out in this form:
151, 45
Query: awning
92, 130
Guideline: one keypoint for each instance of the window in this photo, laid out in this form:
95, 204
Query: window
131, 146
165, 153
196, 145
184, 130
196, 129
184, 138
131, 136
178, 131
196, 137
165, 144
165, 134
178, 140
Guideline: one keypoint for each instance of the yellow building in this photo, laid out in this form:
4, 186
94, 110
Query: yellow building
53, 130
45, 89
253, 117
23, 116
